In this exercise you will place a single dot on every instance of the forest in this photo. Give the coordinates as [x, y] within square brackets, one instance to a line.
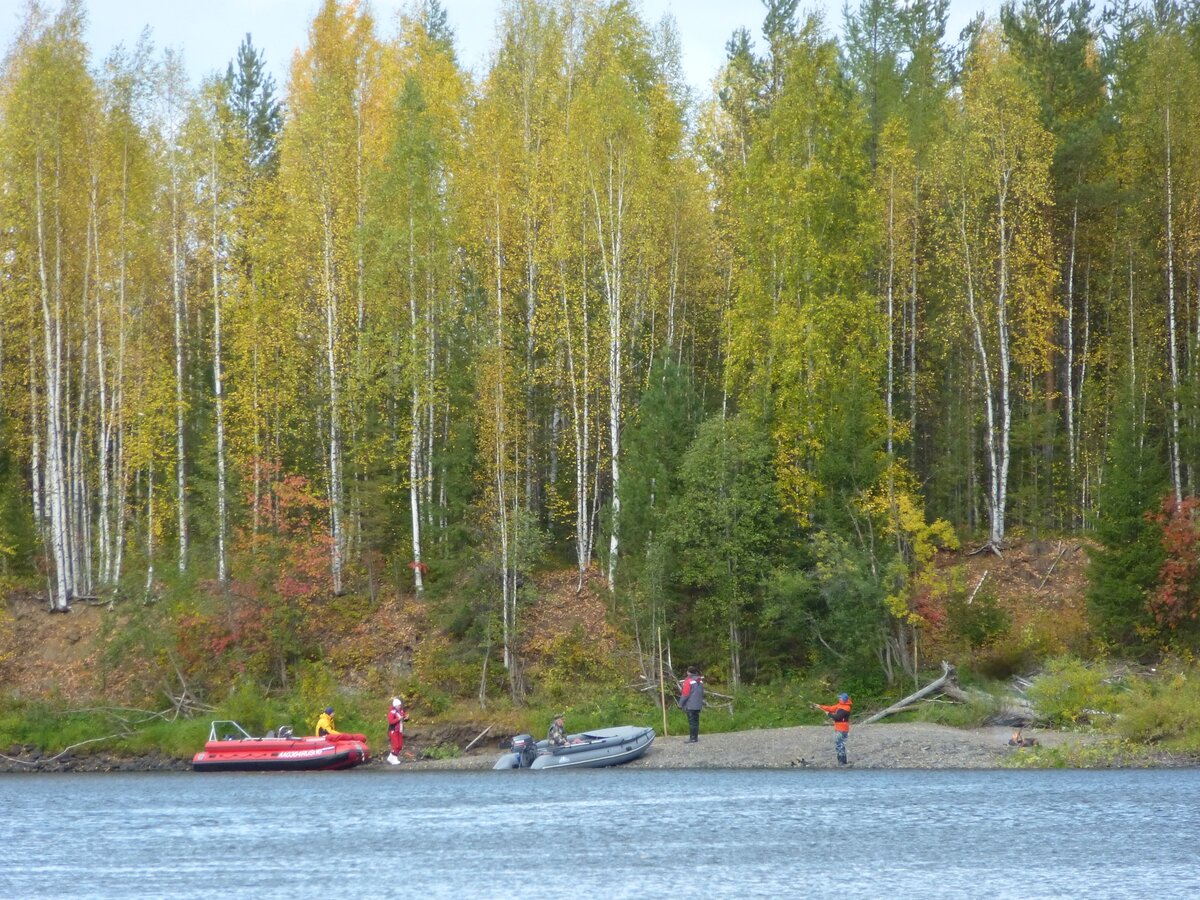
[747, 362]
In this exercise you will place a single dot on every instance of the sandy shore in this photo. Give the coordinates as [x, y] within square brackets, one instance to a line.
[897, 746]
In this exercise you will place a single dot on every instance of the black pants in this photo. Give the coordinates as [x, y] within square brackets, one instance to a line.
[693, 724]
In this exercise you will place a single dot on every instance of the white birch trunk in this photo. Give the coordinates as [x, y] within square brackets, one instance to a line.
[610, 223]
[103, 428]
[115, 437]
[117, 416]
[1069, 379]
[335, 443]
[912, 312]
[579, 429]
[507, 615]
[180, 457]
[1085, 350]
[891, 312]
[415, 438]
[1000, 479]
[984, 365]
[257, 441]
[55, 486]
[150, 529]
[1172, 338]
[35, 454]
[218, 383]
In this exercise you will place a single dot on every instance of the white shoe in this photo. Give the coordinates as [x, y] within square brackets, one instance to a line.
[393, 759]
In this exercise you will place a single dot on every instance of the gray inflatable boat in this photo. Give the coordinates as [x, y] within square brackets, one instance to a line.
[589, 749]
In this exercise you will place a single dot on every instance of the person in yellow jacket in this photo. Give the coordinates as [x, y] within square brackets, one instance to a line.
[326, 729]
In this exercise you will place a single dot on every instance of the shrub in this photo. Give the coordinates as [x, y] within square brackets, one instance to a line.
[571, 659]
[1072, 692]
[1166, 712]
[441, 751]
[249, 707]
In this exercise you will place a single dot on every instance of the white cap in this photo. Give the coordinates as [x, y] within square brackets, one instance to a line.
[396, 701]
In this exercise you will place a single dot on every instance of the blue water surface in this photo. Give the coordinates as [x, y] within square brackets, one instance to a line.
[605, 832]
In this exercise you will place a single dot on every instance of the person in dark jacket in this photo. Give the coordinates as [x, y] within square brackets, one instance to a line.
[691, 701]
[840, 714]
[557, 736]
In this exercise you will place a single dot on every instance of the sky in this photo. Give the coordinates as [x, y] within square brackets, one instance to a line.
[209, 31]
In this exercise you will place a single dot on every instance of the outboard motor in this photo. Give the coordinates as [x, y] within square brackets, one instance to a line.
[526, 749]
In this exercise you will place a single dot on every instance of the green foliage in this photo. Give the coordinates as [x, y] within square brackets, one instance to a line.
[1125, 566]
[847, 608]
[976, 622]
[250, 707]
[441, 751]
[573, 658]
[1099, 755]
[17, 534]
[726, 523]
[1072, 692]
[1163, 710]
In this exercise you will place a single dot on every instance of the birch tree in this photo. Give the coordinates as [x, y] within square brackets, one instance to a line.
[49, 118]
[322, 168]
[996, 181]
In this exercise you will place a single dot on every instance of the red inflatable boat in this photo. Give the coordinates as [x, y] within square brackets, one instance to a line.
[230, 748]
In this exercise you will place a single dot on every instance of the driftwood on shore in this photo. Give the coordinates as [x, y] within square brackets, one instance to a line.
[1016, 712]
[947, 684]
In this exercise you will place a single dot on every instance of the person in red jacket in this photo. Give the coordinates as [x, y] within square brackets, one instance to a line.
[691, 701]
[397, 715]
[840, 713]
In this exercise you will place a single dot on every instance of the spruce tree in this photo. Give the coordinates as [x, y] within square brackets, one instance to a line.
[1124, 568]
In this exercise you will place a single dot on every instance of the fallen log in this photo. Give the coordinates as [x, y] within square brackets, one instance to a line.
[949, 678]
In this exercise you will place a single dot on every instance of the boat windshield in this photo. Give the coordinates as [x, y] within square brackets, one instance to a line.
[227, 730]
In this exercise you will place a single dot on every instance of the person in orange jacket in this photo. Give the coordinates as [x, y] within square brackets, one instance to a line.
[840, 714]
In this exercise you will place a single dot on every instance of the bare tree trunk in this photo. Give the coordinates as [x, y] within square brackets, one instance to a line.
[610, 224]
[1069, 343]
[337, 548]
[150, 529]
[60, 599]
[180, 458]
[1000, 481]
[891, 311]
[985, 368]
[499, 459]
[912, 326]
[1172, 339]
[103, 422]
[218, 385]
[415, 439]
[579, 427]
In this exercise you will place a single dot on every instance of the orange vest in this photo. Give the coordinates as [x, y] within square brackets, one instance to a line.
[840, 713]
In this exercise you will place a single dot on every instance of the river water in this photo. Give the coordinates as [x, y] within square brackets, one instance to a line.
[606, 832]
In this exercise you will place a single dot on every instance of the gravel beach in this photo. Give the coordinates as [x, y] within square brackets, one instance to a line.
[914, 745]
[898, 746]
